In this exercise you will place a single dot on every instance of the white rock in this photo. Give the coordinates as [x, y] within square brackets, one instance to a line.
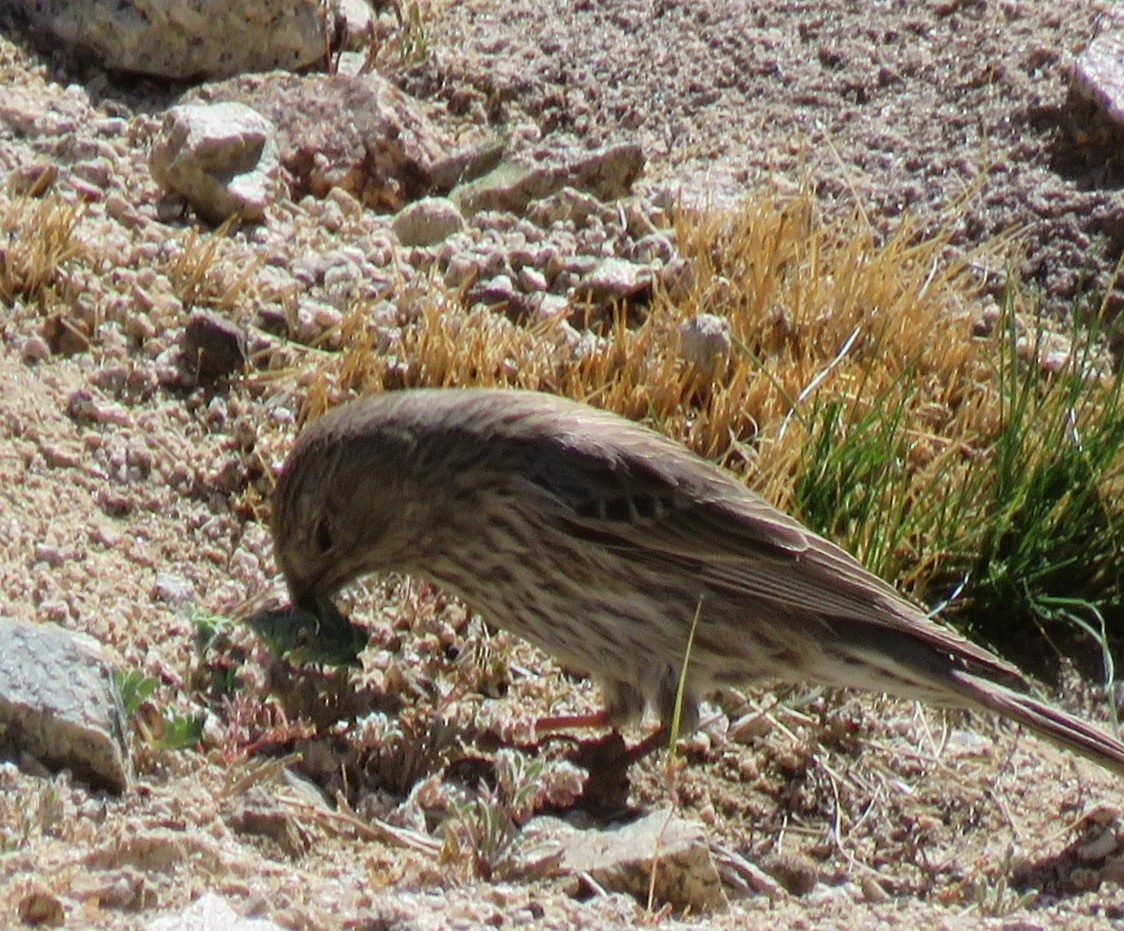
[704, 340]
[661, 848]
[210, 912]
[355, 19]
[222, 158]
[173, 589]
[613, 279]
[427, 222]
[1098, 72]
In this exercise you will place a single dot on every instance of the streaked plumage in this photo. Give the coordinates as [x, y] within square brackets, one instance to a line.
[598, 540]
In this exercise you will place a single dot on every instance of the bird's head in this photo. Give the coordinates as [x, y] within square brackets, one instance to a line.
[340, 511]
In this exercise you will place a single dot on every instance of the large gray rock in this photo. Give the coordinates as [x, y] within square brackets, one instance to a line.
[59, 703]
[184, 39]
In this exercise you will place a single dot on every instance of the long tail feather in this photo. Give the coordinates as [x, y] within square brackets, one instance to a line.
[1058, 726]
[904, 665]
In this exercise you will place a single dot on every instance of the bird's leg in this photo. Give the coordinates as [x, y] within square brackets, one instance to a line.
[654, 741]
[554, 723]
[602, 719]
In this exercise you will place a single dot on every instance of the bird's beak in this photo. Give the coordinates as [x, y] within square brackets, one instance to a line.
[309, 601]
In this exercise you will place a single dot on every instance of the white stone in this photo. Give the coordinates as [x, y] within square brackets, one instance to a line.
[1098, 72]
[222, 158]
[704, 340]
[427, 222]
[210, 912]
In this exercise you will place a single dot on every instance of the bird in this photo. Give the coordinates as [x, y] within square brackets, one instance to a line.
[620, 552]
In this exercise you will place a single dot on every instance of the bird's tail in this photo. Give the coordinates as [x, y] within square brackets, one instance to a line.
[939, 667]
[1060, 727]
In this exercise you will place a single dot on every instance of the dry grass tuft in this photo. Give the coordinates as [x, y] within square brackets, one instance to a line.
[198, 273]
[37, 238]
[792, 290]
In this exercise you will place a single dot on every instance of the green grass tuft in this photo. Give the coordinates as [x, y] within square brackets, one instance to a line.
[1027, 523]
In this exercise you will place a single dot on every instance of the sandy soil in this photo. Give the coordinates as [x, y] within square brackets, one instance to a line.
[132, 508]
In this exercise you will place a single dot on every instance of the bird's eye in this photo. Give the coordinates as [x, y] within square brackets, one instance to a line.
[323, 535]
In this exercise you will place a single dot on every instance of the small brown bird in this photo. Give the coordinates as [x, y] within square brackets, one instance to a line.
[605, 543]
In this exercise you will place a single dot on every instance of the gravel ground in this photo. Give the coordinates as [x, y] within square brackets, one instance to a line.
[954, 111]
[131, 503]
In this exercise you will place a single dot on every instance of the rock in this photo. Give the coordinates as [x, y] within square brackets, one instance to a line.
[34, 179]
[621, 859]
[512, 186]
[498, 291]
[59, 703]
[173, 589]
[1113, 870]
[36, 349]
[1096, 91]
[796, 872]
[222, 159]
[183, 39]
[259, 813]
[614, 280]
[654, 247]
[427, 222]
[1099, 848]
[569, 204]
[701, 191]
[355, 24]
[210, 912]
[213, 348]
[466, 164]
[704, 341]
[40, 906]
[359, 133]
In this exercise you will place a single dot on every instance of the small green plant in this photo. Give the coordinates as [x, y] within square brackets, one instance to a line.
[45, 810]
[179, 731]
[135, 688]
[1050, 546]
[218, 659]
[415, 43]
[159, 727]
[681, 685]
[322, 637]
[854, 484]
[488, 824]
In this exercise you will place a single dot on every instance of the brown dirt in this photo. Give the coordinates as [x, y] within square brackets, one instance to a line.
[131, 506]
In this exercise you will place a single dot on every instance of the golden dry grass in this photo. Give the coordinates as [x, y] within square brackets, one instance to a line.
[201, 278]
[37, 238]
[794, 292]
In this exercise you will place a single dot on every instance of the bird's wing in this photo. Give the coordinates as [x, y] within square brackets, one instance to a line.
[666, 508]
[660, 501]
